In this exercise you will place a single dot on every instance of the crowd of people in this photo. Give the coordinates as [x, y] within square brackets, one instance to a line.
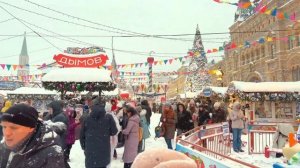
[45, 140]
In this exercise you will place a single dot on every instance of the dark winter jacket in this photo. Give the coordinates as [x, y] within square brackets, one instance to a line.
[59, 116]
[184, 119]
[203, 116]
[95, 137]
[219, 115]
[41, 150]
[145, 105]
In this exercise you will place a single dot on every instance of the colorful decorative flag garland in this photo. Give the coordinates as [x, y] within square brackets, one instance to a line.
[262, 9]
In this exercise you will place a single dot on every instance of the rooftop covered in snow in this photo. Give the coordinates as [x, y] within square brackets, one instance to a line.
[78, 75]
[264, 86]
[32, 91]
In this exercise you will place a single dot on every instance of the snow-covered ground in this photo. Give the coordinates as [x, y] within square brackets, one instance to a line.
[77, 156]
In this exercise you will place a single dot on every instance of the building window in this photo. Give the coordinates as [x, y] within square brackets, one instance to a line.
[291, 42]
[283, 110]
[262, 51]
[298, 78]
[257, 54]
[298, 40]
[273, 50]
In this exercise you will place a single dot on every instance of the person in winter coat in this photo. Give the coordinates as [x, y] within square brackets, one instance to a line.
[131, 133]
[145, 105]
[7, 105]
[237, 125]
[194, 112]
[184, 120]
[56, 114]
[280, 138]
[95, 135]
[204, 117]
[28, 143]
[168, 120]
[143, 124]
[219, 114]
[73, 123]
[114, 106]
[114, 138]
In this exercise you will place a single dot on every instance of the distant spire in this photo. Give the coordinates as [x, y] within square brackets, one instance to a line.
[197, 30]
[24, 47]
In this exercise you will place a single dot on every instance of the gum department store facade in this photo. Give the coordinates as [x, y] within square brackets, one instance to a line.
[276, 60]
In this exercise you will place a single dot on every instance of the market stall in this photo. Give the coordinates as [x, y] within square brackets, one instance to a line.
[78, 79]
[37, 97]
[270, 101]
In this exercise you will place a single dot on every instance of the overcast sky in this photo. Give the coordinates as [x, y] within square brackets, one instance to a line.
[153, 17]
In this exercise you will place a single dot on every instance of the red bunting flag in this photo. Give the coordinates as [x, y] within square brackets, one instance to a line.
[170, 61]
[263, 9]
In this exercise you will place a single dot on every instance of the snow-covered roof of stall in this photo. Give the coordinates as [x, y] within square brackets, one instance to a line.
[106, 93]
[266, 86]
[78, 75]
[217, 90]
[33, 91]
[189, 95]
[3, 92]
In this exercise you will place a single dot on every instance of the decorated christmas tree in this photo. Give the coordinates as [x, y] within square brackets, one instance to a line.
[198, 70]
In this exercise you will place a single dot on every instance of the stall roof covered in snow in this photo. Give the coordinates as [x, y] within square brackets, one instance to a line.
[33, 91]
[78, 75]
[105, 93]
[265, 86]
[3, 92]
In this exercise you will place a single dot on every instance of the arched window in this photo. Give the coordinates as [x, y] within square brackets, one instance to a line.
[257, 54]
[294, 74]
[291, 42]
[262, 51]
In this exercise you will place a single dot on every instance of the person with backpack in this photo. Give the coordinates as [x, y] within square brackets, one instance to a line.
[143, 125]
[145, 106]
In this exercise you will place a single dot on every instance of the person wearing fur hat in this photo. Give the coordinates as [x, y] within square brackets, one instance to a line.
[168, 120]
[237, 116]
[27, 141]
[184, 120]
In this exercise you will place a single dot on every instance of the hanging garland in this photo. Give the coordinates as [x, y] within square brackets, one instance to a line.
[79, 86]
[285, 97]
[30, 97]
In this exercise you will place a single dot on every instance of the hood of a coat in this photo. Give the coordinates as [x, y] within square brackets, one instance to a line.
[98, 111]
[135, 118]
[236, 106]
[56, 106]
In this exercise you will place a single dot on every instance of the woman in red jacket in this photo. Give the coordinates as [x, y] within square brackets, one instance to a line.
[169, 124]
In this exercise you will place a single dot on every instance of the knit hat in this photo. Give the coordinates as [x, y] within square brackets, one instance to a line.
[21, 114]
